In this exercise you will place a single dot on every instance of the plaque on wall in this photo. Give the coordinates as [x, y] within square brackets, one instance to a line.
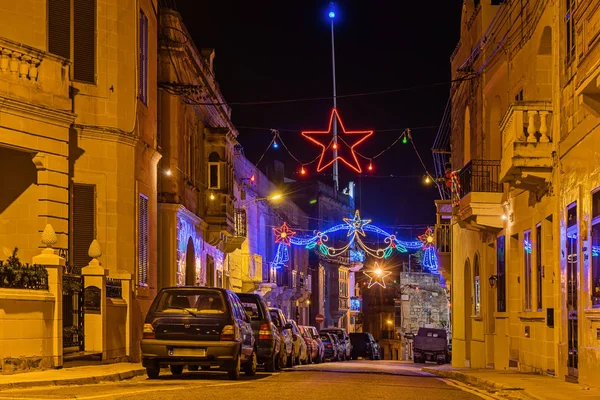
[91, 300]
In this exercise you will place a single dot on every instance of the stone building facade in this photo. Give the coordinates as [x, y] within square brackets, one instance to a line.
[524, 130]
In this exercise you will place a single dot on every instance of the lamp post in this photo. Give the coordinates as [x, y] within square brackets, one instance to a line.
[335, 151]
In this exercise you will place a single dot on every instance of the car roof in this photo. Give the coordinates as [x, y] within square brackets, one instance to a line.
[183, 288]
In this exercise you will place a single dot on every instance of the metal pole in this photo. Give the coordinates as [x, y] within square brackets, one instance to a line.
[335, 152]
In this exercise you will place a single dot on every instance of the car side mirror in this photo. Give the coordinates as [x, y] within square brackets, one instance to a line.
[288, 326]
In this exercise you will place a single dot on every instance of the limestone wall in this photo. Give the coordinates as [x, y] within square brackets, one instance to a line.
[26, 321]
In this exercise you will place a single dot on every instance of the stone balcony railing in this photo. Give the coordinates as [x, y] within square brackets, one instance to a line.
[527, 138]
[24, 66]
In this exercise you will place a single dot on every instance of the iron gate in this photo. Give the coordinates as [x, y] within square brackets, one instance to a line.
[73, 337]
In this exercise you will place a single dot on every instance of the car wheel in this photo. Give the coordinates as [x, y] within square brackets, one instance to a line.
[234, 369]
[192, 368]
[271, 365]
[176, 369]
[205, 367]
[297, 362]
[153, 372]
[250, 367]
[290, 360]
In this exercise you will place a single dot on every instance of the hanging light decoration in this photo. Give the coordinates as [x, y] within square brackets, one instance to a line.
[370, 167]
[302, 170]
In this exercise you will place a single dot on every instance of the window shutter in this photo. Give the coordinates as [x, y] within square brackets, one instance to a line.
[84, 40]
[143, 73]
[143, 241]
[84, 223]
[59, 27]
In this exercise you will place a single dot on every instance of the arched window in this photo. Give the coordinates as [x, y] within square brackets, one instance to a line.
[476, 285]
[214, 174]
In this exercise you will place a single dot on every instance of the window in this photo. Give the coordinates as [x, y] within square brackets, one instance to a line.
[501, 274]
[80, 31]
[84, 223]
[519, 95]
[477, 286]
[143, 241]
[570, 31]
[528, 269]
[143, 58]
[538, 265]
[595, 288]
[240, 223]
[84, 40]
[213, 171]
[59, 28]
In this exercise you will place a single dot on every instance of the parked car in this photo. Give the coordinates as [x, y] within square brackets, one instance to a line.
[340, 347]
[430, 345]
[315, 345]
[265, 332]
[342, 335]
[300, 347]
[331, 348]
[365, 346]
[198, 326]
[287, 343]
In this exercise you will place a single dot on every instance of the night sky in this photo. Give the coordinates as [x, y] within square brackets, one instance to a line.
[280, 50]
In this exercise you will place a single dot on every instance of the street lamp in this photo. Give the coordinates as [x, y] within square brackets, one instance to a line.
[273, 197]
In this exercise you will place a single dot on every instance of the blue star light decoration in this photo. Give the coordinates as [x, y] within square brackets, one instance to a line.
[356, 224]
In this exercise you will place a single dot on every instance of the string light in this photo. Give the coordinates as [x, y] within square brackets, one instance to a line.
[302, 170]
[252, 178]
[427, 179]
[376, 276]
[335, 145]
[370, 167]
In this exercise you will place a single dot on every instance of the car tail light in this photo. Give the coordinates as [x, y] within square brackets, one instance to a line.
[265, 333]
[148, 332]
[228, 332]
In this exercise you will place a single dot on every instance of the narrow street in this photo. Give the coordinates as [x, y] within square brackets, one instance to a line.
[351, 380]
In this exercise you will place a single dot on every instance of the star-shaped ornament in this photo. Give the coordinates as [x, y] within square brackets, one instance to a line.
[356, 225]
[345, 145]
[283, 234]
[376, 276]
[427, 239]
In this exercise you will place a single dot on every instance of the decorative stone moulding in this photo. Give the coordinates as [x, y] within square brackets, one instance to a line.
[49, 236]
[19, 64]
[95, 251]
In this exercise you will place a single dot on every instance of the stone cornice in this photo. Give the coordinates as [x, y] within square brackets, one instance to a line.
[107, 133]
[32, 51]
[187, 214]
[37, 112]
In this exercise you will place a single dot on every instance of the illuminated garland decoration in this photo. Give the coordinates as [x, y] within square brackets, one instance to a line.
[455, 187]
[356, 228]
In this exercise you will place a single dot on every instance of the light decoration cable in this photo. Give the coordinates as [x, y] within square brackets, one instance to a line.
[356, 229]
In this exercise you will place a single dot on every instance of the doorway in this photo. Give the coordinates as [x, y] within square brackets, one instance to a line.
[190, 264]
[572, 290]
[468, 306]
[210, 271]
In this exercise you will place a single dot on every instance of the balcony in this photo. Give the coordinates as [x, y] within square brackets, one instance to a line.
[477, 198]
[527, 155]
[225, 224]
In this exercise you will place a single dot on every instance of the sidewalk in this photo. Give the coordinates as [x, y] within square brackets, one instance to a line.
[514, 385]
[85, 375]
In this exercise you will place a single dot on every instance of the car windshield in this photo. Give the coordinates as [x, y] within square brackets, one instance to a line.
[253, 309]
[194, 301]
[340, 334]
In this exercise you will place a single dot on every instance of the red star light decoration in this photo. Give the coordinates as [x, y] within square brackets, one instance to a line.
[376, 276]
[325, 140]
[283, 234]
[427, 239]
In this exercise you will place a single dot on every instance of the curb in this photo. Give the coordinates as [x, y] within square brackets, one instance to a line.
[88, 380]
[416, 375]
[509, 392]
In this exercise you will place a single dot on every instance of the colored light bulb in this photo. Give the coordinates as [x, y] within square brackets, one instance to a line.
[252, 178]
[302, 171]
[275, 144]
[404, 140]
[331, 14]
[212, 196]
[370, 167]
[335, 145]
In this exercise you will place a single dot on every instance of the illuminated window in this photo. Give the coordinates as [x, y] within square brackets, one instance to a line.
[595, 288]
[214, 174]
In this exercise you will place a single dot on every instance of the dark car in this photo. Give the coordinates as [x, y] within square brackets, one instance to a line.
[365, 346]
[285, 329]
[197, 326]
[266, 334]
[430, 344]
[344, 339]
[331, 348]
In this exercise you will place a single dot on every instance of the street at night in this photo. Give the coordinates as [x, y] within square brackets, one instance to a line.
[355, 380]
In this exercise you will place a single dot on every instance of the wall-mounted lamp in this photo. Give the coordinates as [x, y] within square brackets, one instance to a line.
[493, 280]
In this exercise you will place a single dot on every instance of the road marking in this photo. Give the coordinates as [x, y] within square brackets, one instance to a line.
[466, 388]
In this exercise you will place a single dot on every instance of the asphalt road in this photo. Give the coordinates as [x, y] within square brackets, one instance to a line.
[342, 380]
